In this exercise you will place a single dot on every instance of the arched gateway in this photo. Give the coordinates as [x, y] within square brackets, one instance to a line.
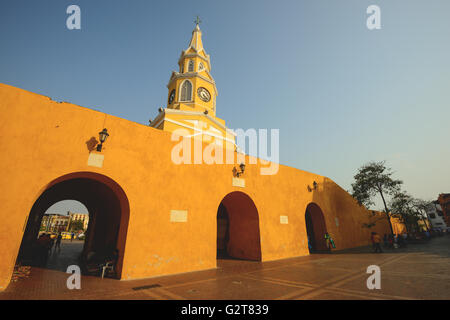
[108, 209]
[238, 228]
[315, 228]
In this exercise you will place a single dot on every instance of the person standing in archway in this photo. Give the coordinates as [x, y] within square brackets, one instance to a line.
[58, 242]
[332, 242]
[328, 240]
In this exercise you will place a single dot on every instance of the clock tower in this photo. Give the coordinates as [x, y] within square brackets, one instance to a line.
[191, 100]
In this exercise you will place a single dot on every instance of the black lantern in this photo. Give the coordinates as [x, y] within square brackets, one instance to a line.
[242, 167]
[313, 188]
[103, 136]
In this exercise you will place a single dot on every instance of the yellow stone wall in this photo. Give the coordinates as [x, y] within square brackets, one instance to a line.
[42, 140]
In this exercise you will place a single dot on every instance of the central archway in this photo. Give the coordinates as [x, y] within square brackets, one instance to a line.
[315, 229]
[108, 209]
[238, 228]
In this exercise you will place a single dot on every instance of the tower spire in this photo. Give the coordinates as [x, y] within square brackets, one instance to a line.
[196, 40]
[191, 100]
[197, 21]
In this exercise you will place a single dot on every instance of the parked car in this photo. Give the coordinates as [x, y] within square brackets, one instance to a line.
[66, 235]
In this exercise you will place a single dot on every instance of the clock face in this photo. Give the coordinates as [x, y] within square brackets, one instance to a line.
[204, 94]
[172, 96]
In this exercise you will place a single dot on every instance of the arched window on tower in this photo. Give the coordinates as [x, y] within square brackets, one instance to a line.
[186, 91]
[201, 67]
[191, 66]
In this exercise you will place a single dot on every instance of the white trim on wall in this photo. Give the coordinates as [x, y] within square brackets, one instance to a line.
[199, 131]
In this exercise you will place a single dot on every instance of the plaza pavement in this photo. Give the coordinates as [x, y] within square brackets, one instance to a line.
[420, 271]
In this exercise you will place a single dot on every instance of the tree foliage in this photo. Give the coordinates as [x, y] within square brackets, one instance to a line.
[409, 210]
[374, 179]
[401, 206]
[76, 225]
[421, 207]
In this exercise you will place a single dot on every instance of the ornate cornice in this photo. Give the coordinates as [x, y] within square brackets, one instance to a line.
[185, 55]
[177, 75]
[161, 116]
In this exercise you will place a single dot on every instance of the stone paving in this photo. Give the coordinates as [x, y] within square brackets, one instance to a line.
[420, 271]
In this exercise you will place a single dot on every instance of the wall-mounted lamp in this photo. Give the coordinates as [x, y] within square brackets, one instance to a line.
[160, 109]
[314, 187]
[205, 112]
[242, 167]
[103, 136]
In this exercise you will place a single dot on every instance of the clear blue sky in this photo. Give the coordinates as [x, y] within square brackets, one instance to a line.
[340, 94]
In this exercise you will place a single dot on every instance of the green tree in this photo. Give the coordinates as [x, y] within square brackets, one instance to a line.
[76, 225]
[374, 179]
[421, 207]
[402, 206]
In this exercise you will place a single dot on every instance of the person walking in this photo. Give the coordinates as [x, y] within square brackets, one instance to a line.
[376, 240]
[332, 242]
[329, 241]
[58, 242]
[50, 242]
[71, 236]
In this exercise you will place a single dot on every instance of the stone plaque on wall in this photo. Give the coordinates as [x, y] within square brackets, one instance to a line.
[284, 219]
[238, 182]
[178, 215]
[95, 160]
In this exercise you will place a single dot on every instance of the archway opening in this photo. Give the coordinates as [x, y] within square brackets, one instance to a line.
[105, 233]
[238, 228]
[66, 223]
[315, 229]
